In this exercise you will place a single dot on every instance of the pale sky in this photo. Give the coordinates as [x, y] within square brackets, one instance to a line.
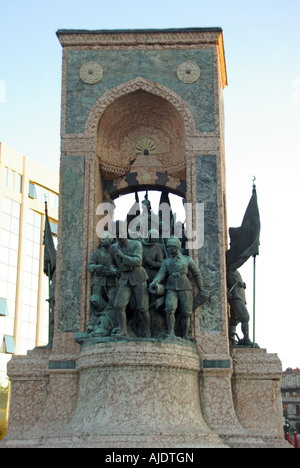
[262, 119]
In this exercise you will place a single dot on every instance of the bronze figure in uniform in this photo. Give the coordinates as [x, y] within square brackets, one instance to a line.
[238, 310]
[175, 270]
[127, 256]
[104, 276]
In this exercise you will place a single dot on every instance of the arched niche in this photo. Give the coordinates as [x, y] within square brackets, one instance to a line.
[143, 134]
[125, 121]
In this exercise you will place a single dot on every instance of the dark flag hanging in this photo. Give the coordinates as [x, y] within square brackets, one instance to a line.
[244, 240]
[49, 248]
[50, 271]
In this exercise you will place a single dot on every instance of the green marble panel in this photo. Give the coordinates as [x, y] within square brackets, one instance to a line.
[209, 254]
[72, 199]
[122, 66]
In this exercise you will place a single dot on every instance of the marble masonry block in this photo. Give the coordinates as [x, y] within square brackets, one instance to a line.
[70, 267]
[256, 393]
[121, 66]
[29, 391]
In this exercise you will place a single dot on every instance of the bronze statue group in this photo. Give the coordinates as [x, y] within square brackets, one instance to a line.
[140, 288]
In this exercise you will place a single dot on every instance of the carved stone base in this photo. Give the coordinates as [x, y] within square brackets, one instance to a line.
[256, 394]
[130, 394]
[144, 394]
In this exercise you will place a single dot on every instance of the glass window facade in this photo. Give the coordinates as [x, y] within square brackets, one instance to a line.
[24, 289]
[9, 250]
[30, 281]
[35, 287]
[35, 290]
[12, 179]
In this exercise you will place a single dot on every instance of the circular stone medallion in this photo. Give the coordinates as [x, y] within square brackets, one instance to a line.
[91, 72]
[188, 72]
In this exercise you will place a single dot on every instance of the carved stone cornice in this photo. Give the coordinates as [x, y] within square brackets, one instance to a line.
[139, 36]
[146, 39]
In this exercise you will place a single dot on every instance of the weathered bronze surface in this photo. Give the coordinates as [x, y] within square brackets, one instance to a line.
[140, 288]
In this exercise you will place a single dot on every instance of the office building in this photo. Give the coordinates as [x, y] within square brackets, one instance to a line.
[24, 310]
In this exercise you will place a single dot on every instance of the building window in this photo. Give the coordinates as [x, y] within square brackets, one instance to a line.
[3, 307]
[54, 228]
[12, 180]
[8, 345]
[9, 252]
[31, 281]
[18, 182]
[32, 191]
[41, 194]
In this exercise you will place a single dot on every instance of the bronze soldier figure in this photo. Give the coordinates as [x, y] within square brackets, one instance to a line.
[178, 287]
[104, 276]
[102, 322]
[103, 317]
[153, 256]
[238, 310]
[127, 256]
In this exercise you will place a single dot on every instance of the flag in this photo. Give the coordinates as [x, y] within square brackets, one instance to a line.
[244, 240]
[49, 248]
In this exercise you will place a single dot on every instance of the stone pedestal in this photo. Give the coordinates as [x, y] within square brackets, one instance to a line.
[256, 394]
[138, 394]
[130, 394]
[144, 394]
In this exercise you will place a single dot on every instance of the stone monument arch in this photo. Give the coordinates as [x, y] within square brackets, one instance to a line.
[143, 109]
[125, 121]
[139, 130]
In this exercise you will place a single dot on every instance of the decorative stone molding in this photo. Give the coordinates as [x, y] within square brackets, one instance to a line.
[139, 83]
[147, 39]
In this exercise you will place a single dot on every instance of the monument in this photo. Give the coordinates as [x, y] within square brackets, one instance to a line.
[141, 354]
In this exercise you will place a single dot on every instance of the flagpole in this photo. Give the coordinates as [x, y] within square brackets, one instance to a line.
[254, 278]
[49, 264]
[254, 298]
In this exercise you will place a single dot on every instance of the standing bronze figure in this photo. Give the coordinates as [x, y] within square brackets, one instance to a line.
[103, 280]
[175, 270]
[238, 310]
[127, 256]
